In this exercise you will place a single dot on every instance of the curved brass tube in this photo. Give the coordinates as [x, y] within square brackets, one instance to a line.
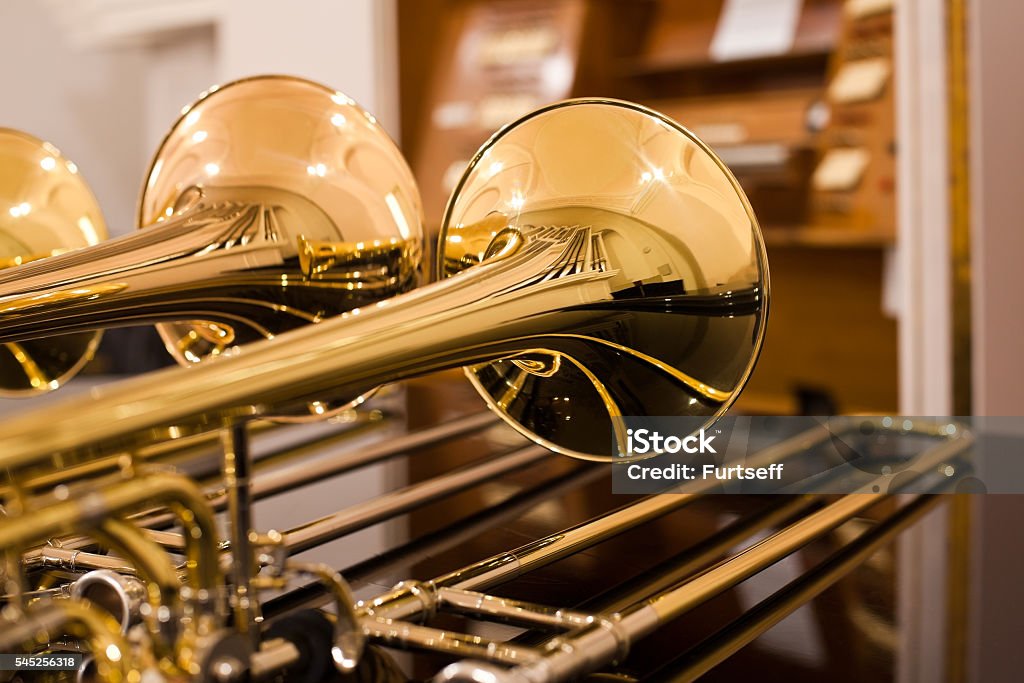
[94, 511]
[44, 623]
[163, 587]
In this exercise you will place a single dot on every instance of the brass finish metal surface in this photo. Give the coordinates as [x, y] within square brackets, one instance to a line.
[667, 254]
[274, 202]
[46, 208]
[581, 282]
[639, 288]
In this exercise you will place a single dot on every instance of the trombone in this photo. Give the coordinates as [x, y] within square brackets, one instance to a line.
[273, 202]
[582, 283]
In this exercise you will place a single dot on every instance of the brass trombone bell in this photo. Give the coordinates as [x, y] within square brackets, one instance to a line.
[660, 226]
[274, 202]
[602, 261]
[46, 208]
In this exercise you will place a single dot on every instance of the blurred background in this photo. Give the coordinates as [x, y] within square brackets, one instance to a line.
[877, 140]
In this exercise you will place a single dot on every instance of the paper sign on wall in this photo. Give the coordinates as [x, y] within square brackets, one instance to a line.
[840, 170]
[748, 29]
[859, 81]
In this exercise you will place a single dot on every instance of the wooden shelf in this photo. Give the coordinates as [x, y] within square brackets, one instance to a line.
[653, 66]
[827, 237]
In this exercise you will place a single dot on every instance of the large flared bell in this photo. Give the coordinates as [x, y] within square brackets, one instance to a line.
[341, 191]
[46, 209]
[652, 208]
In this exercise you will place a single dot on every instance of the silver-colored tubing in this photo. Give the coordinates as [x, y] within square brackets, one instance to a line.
[710, 550]
[286, 479]
[75, 560]
[120, 595]
[580, 653]
[278, 654]
[450, 536]
[289, 478]
[680, 599]
[401, 634]
[407, 601]
[766, 614]
[507, 610]
[506, 566]
[395, 503]
[279, 481]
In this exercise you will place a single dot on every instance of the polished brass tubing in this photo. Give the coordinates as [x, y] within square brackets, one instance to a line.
[592, 647]
[287, 479]
[721, 645]
[186, 453]
[97, 514]
[344, 356]
[74, 560]
[518, 612]
[294, 476]
[77, 515]
[46, 622]
[411, 601]
[279, 654]
[678, 600]
[163, 594]
[506, 566]
[706, 552]
[69, 556]
[385, 507]
[589, 648]
[438, 542]
[502, 567]
[608, 638]
[565, 290]
[401, 634]
[394, 503]
[205, 263]
[237, 482]
[212, 479]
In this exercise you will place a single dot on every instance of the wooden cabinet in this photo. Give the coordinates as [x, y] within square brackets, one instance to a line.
[806, 125]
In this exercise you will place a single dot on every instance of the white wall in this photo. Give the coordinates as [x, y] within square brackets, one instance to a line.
[347, 45]
[997, 246]
[177, 70]
[90, 104]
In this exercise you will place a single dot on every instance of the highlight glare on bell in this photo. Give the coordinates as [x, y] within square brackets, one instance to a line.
[46, 208]
[651, 207]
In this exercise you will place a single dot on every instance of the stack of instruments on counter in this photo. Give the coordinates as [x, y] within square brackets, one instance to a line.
[595, 260]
